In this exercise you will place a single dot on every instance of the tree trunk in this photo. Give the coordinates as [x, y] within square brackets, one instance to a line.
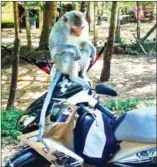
[149, 32]
[102, 8]
[84, 6]
[88, 15]
[15, 61]
[105, 74]
[20, 17]
[95, 21]
[138, 20]
[28, 28]
[117, 33]
[49, 19]
[40, 20]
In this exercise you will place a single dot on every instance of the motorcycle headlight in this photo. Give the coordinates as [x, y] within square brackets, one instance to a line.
[143, 156]
[24, 121]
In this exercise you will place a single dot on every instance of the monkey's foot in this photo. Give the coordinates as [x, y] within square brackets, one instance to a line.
[90, 83]
[40, 139]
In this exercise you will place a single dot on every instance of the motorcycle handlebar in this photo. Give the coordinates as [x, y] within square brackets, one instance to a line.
[103, 109]
[106, 111]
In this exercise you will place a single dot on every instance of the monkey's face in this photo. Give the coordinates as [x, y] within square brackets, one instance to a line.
[76, 22]
[77, 31]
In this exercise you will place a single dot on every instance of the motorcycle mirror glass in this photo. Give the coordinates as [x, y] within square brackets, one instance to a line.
[105, 90]
[24, 121]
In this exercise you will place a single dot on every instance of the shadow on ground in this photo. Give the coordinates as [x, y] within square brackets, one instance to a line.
[130, 76]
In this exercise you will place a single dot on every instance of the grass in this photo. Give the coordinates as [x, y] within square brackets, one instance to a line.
[9, 132]
[121, 106]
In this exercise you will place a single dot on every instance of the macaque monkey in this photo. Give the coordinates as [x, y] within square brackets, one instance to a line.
[71, 52]
[70, 47]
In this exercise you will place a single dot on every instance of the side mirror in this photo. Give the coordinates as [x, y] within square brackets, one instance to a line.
[105, 90]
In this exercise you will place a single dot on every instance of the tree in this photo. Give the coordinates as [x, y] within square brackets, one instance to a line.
[117, 33]
[149, 32]
[40, 20]
[15, 61]
[28, 28]
[105, 74]
[20, 16]
[138, 20]
[84, 6]
[95, 21]
[102, 8]
[49, 19]
[88, 15]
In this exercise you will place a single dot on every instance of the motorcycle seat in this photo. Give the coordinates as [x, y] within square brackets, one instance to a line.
[138, 125]
[128, 148]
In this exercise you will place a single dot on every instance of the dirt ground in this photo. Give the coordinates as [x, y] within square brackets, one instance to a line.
[7, 152]
[130, 76]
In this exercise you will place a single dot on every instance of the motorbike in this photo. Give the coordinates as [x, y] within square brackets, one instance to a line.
[134, 131]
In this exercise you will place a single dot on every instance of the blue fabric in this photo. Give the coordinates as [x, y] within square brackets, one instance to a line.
[80, 134]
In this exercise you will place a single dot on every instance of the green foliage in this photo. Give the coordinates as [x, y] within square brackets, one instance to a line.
[148, 3]
[36, 4]
[131, 4]
[148, 45]
[9, 132]
[121, 106]
[107, 8]
[128, 4]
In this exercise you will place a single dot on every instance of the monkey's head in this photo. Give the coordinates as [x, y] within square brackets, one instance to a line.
[76, 22]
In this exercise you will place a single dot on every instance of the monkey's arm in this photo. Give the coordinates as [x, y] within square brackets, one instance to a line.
[89, 45]
[62, 48]
[73, 75]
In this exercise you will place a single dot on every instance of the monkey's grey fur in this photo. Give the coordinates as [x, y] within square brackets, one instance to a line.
[71, 53]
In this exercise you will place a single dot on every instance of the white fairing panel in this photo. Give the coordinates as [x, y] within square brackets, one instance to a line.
[80, 97]
[96, 138]
[139, 125]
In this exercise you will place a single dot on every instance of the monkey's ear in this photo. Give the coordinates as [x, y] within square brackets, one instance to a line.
[65, 18]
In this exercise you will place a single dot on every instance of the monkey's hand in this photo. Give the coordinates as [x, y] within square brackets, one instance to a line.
[93, 53]
[87, 45]
[76, 53]
[62, 48]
